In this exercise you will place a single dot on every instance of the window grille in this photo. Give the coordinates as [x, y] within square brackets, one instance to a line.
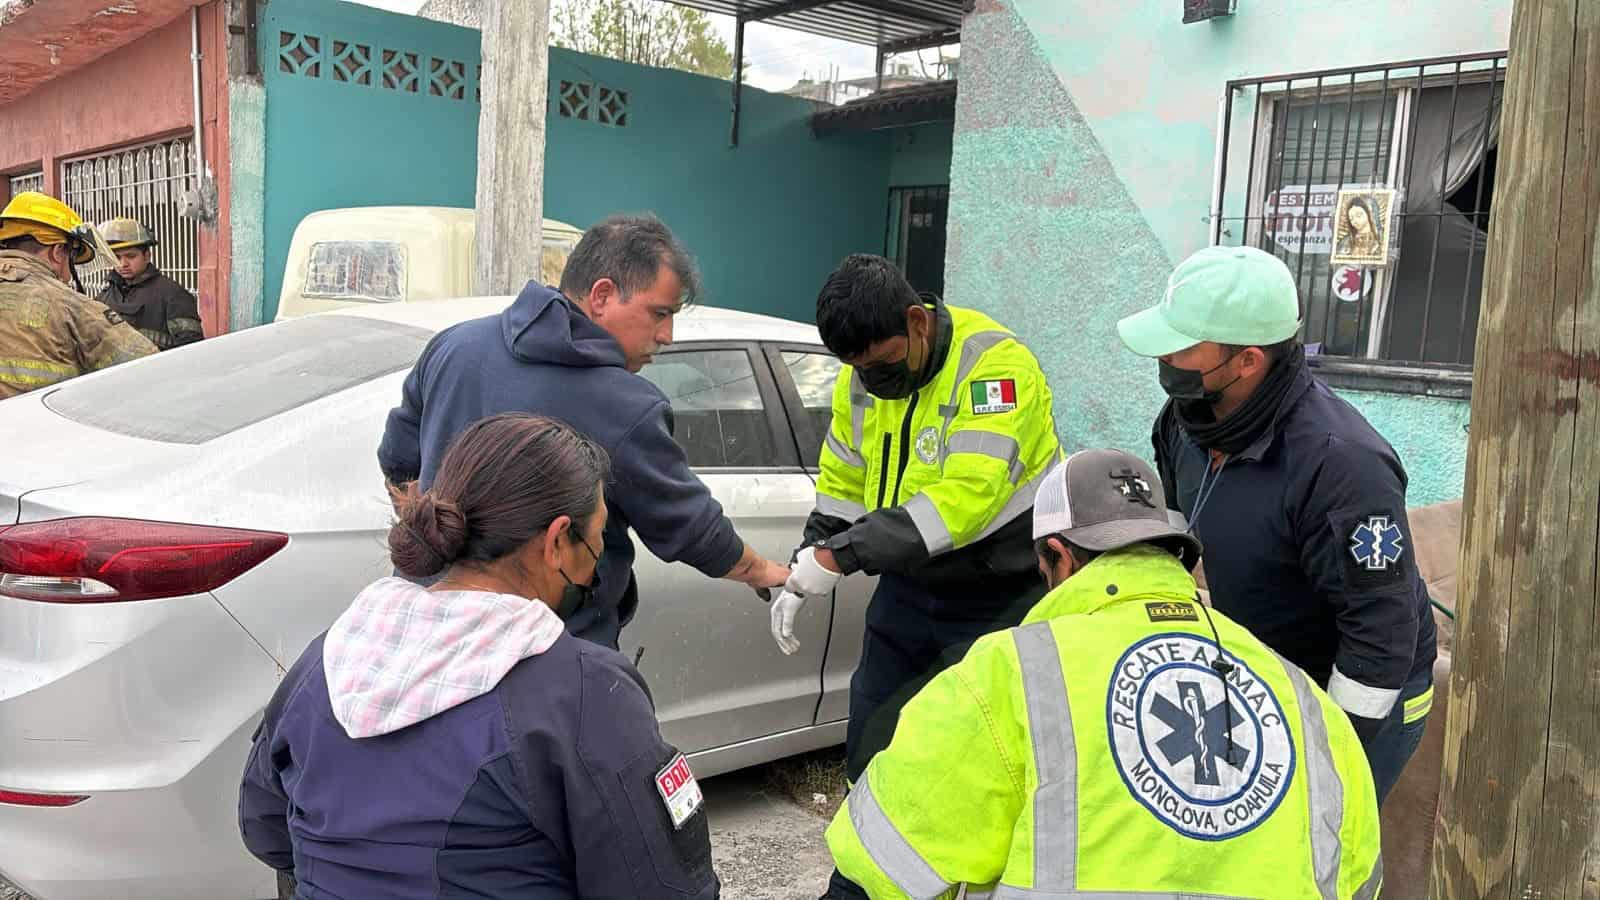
[146, 183]
[1414, 146]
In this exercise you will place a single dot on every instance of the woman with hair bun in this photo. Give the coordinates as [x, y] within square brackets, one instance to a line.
[455, 740]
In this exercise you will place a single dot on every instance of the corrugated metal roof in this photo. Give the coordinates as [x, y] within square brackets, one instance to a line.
[874, 22]
[897, 107]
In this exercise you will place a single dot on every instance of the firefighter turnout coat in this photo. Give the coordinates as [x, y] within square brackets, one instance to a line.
[50, 333]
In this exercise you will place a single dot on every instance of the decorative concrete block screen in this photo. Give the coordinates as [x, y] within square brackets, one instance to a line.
[368, 108]
[590, 102]
[368, 65]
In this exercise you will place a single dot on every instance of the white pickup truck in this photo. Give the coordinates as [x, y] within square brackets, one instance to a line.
[363, 255]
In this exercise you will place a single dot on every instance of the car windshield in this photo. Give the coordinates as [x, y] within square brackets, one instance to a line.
[206, 390]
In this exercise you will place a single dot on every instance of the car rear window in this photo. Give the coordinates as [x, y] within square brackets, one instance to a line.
[203, 391]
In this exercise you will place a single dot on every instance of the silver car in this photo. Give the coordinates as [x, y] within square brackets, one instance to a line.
[186, 524]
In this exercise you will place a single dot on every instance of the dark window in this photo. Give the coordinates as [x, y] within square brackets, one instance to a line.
[916, 234]
[206, 390]
[719, 417]
[814, 375]
[1414, 145]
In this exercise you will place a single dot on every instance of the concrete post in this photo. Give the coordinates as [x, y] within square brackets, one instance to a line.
[510, 198]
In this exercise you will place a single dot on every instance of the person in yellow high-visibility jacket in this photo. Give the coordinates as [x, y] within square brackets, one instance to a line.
[1125, 741]
[942, 431]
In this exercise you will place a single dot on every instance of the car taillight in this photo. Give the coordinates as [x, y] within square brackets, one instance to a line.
[96, 560]
[20, 798]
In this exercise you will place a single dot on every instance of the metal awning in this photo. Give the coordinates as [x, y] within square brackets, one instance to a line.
[873, 22]
[891, 26]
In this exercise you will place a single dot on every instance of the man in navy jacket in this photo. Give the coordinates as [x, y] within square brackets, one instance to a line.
[573, 354]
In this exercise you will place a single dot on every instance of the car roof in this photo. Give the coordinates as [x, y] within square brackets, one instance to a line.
[697, 323]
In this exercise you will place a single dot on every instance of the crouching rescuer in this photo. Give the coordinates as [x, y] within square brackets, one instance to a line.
[941, 433]
[1125, 741]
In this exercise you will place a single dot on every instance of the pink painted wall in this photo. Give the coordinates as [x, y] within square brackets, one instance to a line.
[138, 93]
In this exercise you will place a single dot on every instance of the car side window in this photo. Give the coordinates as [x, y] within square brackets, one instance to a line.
[814, 375]
[719, 417]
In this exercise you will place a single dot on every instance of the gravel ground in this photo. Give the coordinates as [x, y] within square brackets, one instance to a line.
[766, 828]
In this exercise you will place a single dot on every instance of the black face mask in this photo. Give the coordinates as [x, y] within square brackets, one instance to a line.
[893, 381]
[574, 596]
[1189, 384]
[890, 381]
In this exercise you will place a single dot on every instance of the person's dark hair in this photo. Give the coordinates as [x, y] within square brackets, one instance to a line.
[863, 302]
[1273, 352]
[1082, 557]
[501, 484]
[630, 250]
[24, 243]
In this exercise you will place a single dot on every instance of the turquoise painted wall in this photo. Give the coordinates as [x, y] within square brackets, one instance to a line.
[1082, 172]
[920, 155]
[768, 220]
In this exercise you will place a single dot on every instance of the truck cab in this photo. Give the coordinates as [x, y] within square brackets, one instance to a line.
[358, 256]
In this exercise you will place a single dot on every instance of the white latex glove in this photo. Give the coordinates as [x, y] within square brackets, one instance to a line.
[783, 612]
[809, 577]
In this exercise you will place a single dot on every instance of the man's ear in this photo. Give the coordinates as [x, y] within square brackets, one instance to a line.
[1253, 360]
[918, 320]
[603, 293]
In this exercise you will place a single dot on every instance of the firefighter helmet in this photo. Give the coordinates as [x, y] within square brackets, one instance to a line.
[49, 221]
[125, 234]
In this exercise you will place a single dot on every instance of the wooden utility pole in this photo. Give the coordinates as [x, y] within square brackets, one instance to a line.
[1521, 785]
[510, 204]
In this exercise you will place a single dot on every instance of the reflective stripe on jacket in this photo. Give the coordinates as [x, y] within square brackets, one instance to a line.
[945, 469]
[1088, 754]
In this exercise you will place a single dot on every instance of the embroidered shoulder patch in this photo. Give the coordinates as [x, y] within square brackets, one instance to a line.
[679, 791]
[1377, 543]
[113, 317]
[1171, 612]
[994, 396]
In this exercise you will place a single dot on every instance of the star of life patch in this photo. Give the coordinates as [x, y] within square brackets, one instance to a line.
[1377, 543]
[679, 791]
[994, 396]
[928, 445]
[1209, 764]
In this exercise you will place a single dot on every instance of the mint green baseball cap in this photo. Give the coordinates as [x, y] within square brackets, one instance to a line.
[1229, 295]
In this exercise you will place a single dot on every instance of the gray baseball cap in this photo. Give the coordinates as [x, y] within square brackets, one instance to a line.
[1105, 500]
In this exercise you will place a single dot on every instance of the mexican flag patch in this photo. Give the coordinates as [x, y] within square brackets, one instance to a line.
[994, 396]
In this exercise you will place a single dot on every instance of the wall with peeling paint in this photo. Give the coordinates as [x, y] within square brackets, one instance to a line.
[768, 220]
[139, 92]
[1082, 173]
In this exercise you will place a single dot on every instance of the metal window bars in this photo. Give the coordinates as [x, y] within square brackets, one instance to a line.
[146, 183]
[1313, 135]
[914, 233]
[28, 181]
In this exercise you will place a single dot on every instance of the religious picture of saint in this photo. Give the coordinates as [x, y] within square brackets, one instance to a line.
[1361, 227]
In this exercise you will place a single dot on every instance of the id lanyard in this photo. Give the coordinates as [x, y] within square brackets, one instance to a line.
[1205, 493]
